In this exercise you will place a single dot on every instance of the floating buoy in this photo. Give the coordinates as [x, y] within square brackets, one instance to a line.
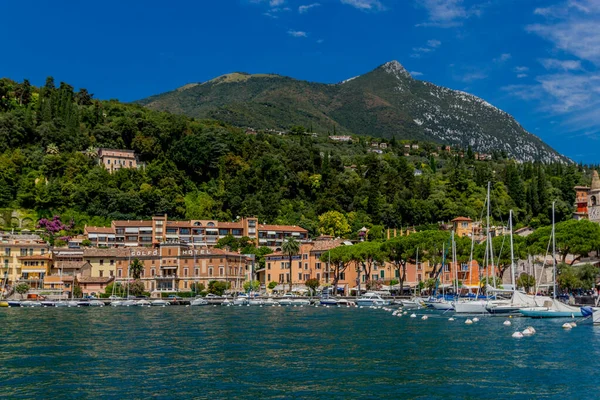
[507, 323]
[531, 329]
[399, 315]
[475, 319]
[573, 325]
[424, 317]
[405, 312]
[517, 335]
[527, 332]
[567, 325]
[413, 315]
[450, 319]
[468, 322]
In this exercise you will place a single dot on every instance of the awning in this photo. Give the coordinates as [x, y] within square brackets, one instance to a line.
[271, 233]
[131, 244]
[29, 271]
[168, 267]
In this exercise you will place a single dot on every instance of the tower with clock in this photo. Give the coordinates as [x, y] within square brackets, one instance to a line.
[594, 198]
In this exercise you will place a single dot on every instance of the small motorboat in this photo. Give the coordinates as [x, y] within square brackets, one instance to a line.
[329, 301]
[371, 299]
[96, 303]
[30, 303]
[256, 302]
[199, 301]
[124, 303]
[414, 303]
[270, 302]
[14, 303]
[346, 303]
[160, 303]
[143, 303]
[47, 303]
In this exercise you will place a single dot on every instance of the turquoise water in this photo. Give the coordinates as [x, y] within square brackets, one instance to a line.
[278, 352]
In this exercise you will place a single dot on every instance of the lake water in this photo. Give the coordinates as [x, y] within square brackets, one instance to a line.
[278, 352]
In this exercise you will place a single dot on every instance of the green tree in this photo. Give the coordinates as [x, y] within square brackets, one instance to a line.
[526, 281]
[251, 286]
[290, 248]
[576, 237]
[312, 285]
[218, 287]
[22, 288]
[567, 278]
[588, 275]
[136, 288]
[77, 292]
[136, 268]
[333, 223]
[272, 285]
[339, 259]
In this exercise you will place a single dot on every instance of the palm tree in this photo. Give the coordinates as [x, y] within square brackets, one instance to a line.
[52, 149]
[291, 247]
[136, 268]
[91, 152]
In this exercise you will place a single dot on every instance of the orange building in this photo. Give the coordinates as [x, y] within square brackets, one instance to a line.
[201, 233]
[462, 226]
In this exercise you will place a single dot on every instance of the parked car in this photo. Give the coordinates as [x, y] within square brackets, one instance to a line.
[212, 296]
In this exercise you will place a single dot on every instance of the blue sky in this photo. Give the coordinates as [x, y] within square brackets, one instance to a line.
[537, 60]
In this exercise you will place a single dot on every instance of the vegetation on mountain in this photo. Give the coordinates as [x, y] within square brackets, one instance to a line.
[386, 102]
[208, 169]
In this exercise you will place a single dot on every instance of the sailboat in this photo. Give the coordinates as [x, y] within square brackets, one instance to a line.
[127, 302]
[552, 308]
[443, 304]
[478, 305]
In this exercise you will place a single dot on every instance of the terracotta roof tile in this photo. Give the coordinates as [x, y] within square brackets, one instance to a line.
[95, 279]
[99, 229]
[132, 223]
[282, 228]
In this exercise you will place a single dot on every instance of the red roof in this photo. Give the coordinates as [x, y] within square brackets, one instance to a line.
[457, 219]
[282, 228]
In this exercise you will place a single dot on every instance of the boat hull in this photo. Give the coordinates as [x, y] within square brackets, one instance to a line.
[548, 313]
[596, 317]
[471, 307]
[442, 306]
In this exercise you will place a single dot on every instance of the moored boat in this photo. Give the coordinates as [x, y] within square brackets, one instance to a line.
[199, 302]
[371, 299]
[160, 303]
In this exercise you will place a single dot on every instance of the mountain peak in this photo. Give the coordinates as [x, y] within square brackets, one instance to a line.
[395, 68]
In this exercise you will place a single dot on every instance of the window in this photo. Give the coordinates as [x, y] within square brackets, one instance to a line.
[185, 284]
[300, 264]
[101, 262]
[153, 271]
[210, 271]
[43, 251]
[101, 273]
[342, 276]
[196, 271]
[30, 252]
[318, 276]
[382, 274]
[119, 273]
[268, 265]
[185, 271]
[112, 262]
[269, 277]
[397, 274]
[223, 232]
[305, 256]
[465, 225]
[7, 251]
[23, 252]
[318, 265]
[419, 277]
[305, 265]
[221, 271]
[300, 277]
[212, 224]
[111, 272]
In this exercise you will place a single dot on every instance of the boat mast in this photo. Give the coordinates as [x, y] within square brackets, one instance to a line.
[512, 253]
[553, 253]
[488, 239]
[417, 267]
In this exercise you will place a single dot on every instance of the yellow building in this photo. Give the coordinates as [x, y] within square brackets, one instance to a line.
[15, 246]
[462, 226]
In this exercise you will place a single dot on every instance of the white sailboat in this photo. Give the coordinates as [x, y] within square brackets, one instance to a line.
[551, 308]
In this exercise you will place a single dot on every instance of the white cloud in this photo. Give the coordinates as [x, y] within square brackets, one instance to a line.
[473, 76]
[504, 57]
[521, 69]
[416, 73]
[572, 27]
[319, 41]
[305, 8]
[521, 76]
[276, 3]
[434, 43]
[566, 65]
[297, 34]
[446, 13]
[365, 5]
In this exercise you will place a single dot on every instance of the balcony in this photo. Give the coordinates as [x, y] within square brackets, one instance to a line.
[162, 277]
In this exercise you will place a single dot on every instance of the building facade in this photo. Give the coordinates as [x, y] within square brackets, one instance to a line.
[115, 159]
[23, 258]
[200, 233]
[587, 200]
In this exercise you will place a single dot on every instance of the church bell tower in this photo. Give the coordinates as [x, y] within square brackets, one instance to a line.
[594, 198]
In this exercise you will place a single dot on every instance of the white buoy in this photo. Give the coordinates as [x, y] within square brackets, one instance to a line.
[517, 335]
[567, 325]
[405, 312]
[399, 315]
[413, 315]
[450, 319]
[531, 329]
[527, 332]
[507, 323]
[475, 319]
[573, 325]
[468, 322]
[424, 317]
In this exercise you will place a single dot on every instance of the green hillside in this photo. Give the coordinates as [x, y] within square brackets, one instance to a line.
[386, 102]
[209, 169]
